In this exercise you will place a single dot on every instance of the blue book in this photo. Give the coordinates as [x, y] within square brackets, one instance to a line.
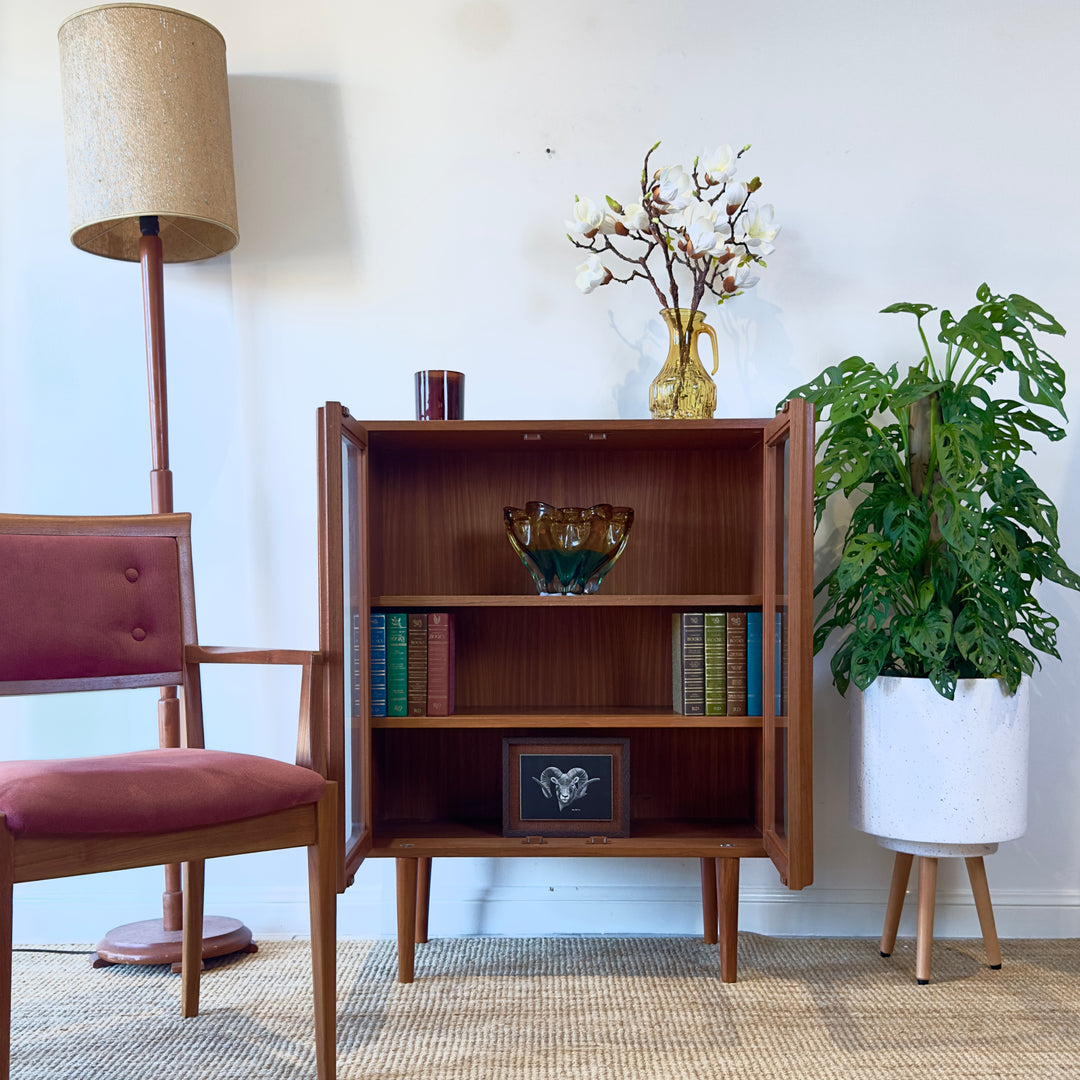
[378, 665]
[753, 663]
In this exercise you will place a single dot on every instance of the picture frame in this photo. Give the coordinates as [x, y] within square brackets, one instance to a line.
[543, 795]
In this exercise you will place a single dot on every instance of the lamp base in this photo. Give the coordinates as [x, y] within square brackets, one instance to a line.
[148, 942]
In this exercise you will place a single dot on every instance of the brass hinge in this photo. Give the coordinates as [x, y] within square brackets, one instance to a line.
[533, 840]
[597, 840]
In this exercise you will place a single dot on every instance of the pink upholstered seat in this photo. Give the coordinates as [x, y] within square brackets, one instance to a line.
[149, 791]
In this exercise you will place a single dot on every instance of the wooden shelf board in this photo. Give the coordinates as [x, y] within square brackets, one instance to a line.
[585, 718]
[688, 839]
[672, 600]
[595, 436]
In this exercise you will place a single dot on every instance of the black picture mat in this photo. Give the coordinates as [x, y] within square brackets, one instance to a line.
[526, 812]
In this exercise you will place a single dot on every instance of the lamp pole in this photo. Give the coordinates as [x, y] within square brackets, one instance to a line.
[150, 179]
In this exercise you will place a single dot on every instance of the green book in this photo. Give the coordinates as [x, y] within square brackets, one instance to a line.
[397, 660]
[716, 663]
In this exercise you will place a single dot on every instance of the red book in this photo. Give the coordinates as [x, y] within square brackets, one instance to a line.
[440, 674]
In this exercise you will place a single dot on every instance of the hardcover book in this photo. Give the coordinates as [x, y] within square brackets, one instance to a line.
[440, 672]
[754, 646]
[716, 663]
[736, 663]
[688, 663]
[377, 645]
[416, 665]
[397, 653]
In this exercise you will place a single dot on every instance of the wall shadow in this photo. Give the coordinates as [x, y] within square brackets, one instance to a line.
[294, 189]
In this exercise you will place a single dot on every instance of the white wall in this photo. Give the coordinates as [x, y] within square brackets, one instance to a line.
[403, 174]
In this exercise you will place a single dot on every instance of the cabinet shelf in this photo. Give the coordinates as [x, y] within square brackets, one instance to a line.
[672, 600]
[647, 839]
[565, 718]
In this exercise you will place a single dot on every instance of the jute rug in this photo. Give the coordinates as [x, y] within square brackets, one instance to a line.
[567, 1009]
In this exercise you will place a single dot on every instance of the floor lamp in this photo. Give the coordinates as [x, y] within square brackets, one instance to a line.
[150, 180]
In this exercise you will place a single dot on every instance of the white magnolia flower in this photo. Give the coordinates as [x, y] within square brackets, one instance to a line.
[759, 229]
[734, 197]
[739, 277]
[717, 166]
[589, 219]
[700, 237]
[592, 273]
[671, 187]
[632, 219]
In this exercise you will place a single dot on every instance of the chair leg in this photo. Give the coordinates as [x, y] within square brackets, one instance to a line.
[423, 898]
[981, 891]
[322, 898]
[7, 878]
[709, 917]
[728, 904]
[897, 891]
[191, 950]
[406, 918]
[924, 934]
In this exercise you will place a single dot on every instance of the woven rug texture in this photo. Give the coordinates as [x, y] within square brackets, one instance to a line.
[565, 1009]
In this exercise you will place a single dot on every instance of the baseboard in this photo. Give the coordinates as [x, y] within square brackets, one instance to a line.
[516, 910]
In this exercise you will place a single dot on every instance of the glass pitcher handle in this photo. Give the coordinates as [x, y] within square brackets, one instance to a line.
[705, 328]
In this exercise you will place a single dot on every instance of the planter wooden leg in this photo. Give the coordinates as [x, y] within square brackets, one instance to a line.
[981, 891]
[423, 899]
[924, 935]
[897, 891]
[709, 916]
[728, 903]
[406, 918]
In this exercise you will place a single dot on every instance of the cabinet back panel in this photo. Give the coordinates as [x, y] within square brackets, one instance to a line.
[437, 519]
[564, 657]
[678, 774]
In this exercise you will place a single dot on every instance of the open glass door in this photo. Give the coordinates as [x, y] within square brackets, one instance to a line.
[787, 748]
[344, 618]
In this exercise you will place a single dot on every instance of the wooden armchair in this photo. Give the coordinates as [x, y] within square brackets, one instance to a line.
[106, 603]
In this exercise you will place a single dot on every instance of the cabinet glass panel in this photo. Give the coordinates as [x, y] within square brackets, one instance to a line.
[354, 622]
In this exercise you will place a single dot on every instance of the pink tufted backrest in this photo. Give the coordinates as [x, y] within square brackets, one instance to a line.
[89, 607]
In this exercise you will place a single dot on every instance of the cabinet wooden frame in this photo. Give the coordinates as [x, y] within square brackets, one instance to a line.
[411, 520]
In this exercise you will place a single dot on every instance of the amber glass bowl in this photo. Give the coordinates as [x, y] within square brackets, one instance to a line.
[568, 549]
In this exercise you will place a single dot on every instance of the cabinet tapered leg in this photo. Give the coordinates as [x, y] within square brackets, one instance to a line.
[897, 891]
[981, 891]
[406, 918]
[709, 916]
[423, 898]
[727, 874]
[924, 934]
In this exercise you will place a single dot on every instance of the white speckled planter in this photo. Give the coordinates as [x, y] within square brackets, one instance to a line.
[937, 777]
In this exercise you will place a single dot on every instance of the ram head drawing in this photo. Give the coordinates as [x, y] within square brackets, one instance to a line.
[565, 787]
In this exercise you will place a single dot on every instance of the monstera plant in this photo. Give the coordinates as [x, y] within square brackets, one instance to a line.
[949, 535]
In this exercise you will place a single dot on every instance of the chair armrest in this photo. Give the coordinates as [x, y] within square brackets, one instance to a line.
[311, 739]
[231, 654]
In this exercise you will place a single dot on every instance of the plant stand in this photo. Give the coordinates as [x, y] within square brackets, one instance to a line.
[928, 855]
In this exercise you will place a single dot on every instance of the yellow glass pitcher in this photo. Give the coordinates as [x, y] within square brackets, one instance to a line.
[683, 389]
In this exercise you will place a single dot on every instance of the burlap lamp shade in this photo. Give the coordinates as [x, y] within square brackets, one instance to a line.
[146, 121]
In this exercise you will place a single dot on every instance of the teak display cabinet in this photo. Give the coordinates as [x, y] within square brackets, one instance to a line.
[411, 519]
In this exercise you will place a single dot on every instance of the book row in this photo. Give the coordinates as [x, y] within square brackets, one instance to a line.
[411, 664]
[716, 663]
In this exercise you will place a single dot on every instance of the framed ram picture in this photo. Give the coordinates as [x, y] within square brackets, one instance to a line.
[566, 787]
